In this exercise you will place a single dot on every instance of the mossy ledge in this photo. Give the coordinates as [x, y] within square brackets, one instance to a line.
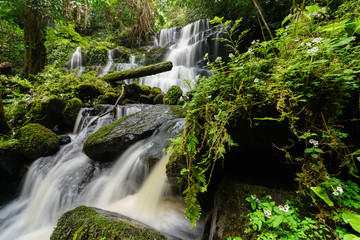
[91, 223]
[138, 72]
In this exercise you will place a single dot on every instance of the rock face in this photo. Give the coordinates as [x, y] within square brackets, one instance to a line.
[37, 141]
[91, 223]
[109, 141]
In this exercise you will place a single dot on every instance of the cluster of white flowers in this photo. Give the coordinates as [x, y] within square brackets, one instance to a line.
[250, 51]
[218, 59]
[231, 55]
[316, 14]
[312, 141]
[338, 191]
[284, 208]
[317, 40]
[308, 44]
[313, 51]
[206, 56]
[75, 4]
[267, 213]
[255, 41]
[256, 80]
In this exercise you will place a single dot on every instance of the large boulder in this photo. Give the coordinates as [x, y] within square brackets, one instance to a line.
[173, 95]
[92, 223]
[87, 91]
[111, 140]
[48, 112]
[37, 141]
[71, 111]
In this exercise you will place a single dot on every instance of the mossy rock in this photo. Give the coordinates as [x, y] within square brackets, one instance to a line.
[37, 141]
[111, 140]
[145, 90]
[132, 91]
[155, 91]
[108, 98]
[177, 162]
[121, 54]
[71, 111]
[145, 99]
[48, 111]
[173, 95]
[84, 223]
[10, 157]
[86, 91]
[95, 55]
[159, 99]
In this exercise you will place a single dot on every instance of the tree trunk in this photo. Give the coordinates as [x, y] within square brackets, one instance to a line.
[34, 35]
[4, 127]
[138, 72]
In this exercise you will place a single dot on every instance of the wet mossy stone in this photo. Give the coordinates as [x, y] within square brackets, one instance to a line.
[64, 139]
[10, 158]
[159, 99]
[173, 95]
[132, 91]
[145, 99]
[108, 98]
[93, 224]
[37, 141]
[155, 91]
[71, 111]
[177, 162]
[48, 111]
[86, 91]
[121, 54]
[110, 141]
[145, 90]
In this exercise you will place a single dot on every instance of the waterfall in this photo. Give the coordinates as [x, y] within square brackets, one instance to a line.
[109, 64]
[58, 183]
[186, 54]
[76, 61]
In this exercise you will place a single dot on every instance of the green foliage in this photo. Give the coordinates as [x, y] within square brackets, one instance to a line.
[273, 221]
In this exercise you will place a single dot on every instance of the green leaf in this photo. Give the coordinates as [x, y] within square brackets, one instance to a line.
[309, 150]
[318, 150]
[351, 237]
[278, 221]
[323, 195]
[353, 219]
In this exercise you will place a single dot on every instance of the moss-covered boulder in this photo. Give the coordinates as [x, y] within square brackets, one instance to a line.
[87, 91]
[109, 141]
[108, 98]
[173, 95]
[48, 112]
[121, 54]
[71, 111]
[84, 223]
[159, 99]
[37, 141]
[132, 91]
[177, 162]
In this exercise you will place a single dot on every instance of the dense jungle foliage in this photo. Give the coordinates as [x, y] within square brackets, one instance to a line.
[299, 65]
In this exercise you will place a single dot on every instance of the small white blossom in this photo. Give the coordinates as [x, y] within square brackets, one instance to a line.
[206, 56]
[286, 207]
[317, 40]
[267, 213]
[253, 197]
[231, 55]
[313, 51]
[218, 59]
[315, 13]
[256, 80]
[209, 96]
[281, 208]
[308, 44]
[340, 190]
[335, 193]
[358, 158]
[250, 51]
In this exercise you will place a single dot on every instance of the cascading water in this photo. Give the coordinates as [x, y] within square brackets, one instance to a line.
[76, 61]
[109, 64]
[59, 183]
[186, 55]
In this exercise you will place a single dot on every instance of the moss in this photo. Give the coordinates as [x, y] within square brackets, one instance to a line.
[86, 91]
[173, 95]
[132, 91]
[159, 99]
[121, 54]
[37, 141]
[10, 148]
[155, 91]
[108, 98]
[86, 223]
[145, 89]
[71, 110]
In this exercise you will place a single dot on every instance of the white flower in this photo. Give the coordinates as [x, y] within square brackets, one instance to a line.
[314, 142]
[286, 207]
[315, 13]
[308, 44]
[209, 96]
[253, 197]
[281, 208]
[256, 80]
[206, 56]
[358, 158]
[317, 40]
[313, 51]
[267, 213]
[335, 193]
[340, 190]
[250, 51]
[197, 77]
[218, 59]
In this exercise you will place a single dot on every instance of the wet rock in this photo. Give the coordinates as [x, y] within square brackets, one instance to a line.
[111, 140]
[93, 223]
[86, 91]
[108, 98]
[71, 111]
[47, 111]
[173, 95]
[64, 139]
[159, 99]
[37, 141]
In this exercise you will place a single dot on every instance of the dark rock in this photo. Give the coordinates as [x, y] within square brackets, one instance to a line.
[101, 108]
[145, 90]
[132, 91]
[145, 99]
[173, 95]
[48, 112]
[71, 111]
[5, 68]
[159, 99]
[86, 91]
[111, 140]
[93, 223]
[37, 141]
[64, 139]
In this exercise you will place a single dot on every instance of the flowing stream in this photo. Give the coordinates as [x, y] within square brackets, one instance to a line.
[58, 183]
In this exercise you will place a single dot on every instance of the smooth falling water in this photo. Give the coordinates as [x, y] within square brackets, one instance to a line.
[167, 36]
[56, 184]
[76, 61]
[109, 64]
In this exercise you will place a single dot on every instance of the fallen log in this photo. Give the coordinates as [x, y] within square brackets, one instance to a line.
[138, 72]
